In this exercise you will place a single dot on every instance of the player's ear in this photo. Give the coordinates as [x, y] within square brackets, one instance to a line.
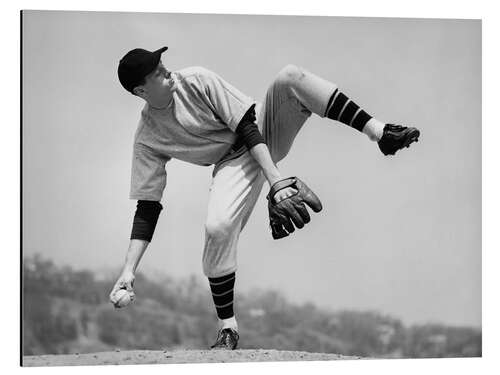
[139, 91]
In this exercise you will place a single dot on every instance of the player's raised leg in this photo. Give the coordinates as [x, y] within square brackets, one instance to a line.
[389, 137]
[308, 93]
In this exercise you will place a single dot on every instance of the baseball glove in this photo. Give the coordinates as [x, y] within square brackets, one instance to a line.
[291, 212]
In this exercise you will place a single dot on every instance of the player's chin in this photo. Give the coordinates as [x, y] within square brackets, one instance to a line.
[165, 89]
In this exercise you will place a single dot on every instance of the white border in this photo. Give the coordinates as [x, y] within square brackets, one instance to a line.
[434, 9]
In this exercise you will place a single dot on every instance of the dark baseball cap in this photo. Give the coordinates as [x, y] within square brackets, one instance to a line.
[136, 65]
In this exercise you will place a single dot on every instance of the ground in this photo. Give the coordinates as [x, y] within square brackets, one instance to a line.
[181, 356]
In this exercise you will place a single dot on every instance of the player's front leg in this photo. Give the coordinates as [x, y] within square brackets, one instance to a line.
[235, 189]
[222, 289]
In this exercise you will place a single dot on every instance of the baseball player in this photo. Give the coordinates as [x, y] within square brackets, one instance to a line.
[194, 115]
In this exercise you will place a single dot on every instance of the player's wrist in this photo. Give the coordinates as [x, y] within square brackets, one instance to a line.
[128, 270]
[273, 181]
[273, 177]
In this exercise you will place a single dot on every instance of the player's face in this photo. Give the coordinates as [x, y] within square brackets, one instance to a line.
[157, 83]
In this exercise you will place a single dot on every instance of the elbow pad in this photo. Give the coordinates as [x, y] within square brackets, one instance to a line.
[145, 219]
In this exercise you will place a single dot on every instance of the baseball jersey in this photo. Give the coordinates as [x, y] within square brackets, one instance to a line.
[198, 126]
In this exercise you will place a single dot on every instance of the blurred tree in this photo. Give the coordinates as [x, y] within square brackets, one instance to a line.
[57, 301]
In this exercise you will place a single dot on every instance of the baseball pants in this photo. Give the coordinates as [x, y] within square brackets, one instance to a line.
[236, 184]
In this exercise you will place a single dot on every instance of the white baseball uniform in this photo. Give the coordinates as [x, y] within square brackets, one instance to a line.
[198, 126]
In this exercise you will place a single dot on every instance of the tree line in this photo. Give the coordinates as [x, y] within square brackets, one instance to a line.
[67, 311]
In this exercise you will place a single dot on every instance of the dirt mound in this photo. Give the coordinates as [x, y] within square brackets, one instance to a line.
[181, 356]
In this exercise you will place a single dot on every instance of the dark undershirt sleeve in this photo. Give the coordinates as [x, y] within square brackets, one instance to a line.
[248, 131]
[145, 219]
[249, 115]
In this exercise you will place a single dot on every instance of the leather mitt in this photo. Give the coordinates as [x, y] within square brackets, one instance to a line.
[291, 212]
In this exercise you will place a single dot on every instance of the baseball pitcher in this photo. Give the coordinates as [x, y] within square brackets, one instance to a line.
[194, 115]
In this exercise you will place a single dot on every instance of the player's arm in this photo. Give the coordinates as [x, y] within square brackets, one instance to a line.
[148, 180]
[136, 249]
[126, 279]
[261, 154]
[250, 135]
[287, 197]
[143, 227]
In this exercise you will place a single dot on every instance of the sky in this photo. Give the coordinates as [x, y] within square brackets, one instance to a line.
[401, 235]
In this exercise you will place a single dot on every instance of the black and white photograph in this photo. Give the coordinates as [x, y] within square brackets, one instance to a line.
[201, 188]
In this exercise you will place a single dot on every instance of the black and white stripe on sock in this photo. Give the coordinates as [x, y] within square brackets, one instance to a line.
[343, 109]
[222, 289]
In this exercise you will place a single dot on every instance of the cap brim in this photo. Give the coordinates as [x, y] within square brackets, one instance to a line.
[154, 60]
[161, 50]
[158, 52]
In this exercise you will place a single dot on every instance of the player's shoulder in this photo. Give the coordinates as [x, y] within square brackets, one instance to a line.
[196, 72]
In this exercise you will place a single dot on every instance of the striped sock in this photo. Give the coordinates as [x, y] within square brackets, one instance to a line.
[341, 108]
[223, 294]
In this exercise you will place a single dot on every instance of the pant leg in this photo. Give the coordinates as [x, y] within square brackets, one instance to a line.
[290, 100]
[233, 193]
[236, 184]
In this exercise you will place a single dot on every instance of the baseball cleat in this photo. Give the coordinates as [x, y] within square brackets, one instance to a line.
[227, 339]
[396, 137]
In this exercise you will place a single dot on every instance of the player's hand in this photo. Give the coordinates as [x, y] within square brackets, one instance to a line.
[284, 193]
[125, 281]
[290, 211]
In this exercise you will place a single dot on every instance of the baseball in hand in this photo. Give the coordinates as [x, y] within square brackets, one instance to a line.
[122, 298]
